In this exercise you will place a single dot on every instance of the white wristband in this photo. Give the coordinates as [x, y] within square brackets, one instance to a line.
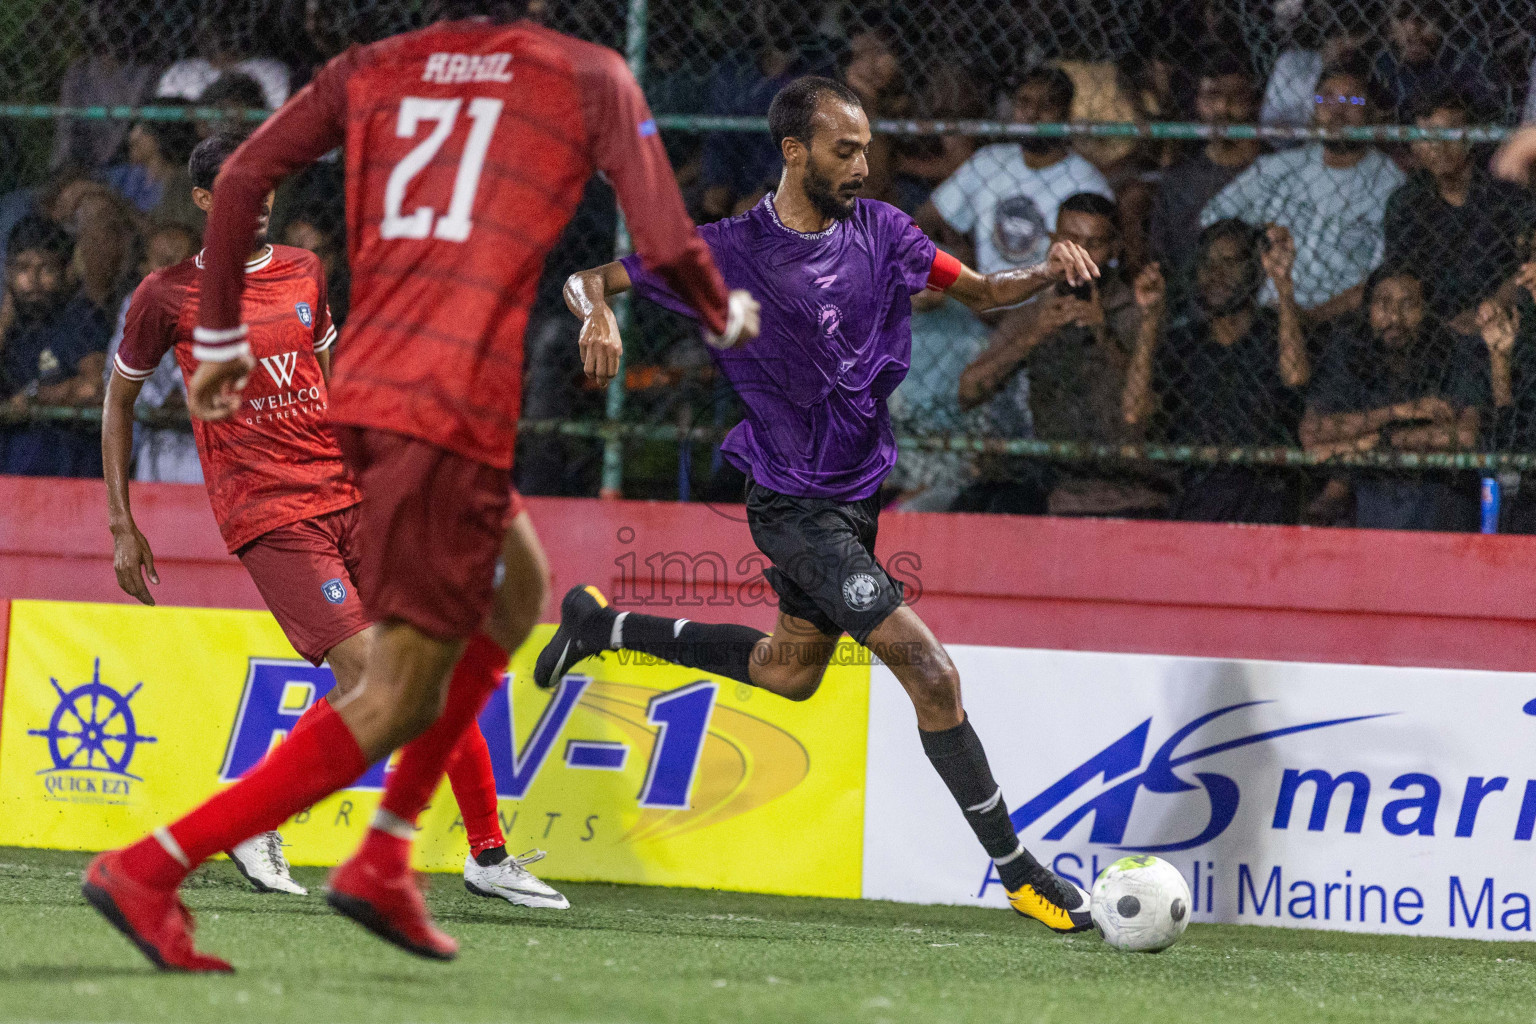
[735, 320]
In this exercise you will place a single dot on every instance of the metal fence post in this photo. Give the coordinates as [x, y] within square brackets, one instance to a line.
[613, 447]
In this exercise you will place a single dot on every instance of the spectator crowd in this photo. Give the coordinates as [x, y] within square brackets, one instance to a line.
[1332, 295]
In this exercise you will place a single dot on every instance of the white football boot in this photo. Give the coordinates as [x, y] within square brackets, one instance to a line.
[512, 881]
[260, 859]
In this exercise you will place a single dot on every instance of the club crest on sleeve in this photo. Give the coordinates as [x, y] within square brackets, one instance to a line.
[306, 315]
[335, 591]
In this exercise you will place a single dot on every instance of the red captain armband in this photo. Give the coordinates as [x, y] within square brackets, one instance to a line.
[945, 272]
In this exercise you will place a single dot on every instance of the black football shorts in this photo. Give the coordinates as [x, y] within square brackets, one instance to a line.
[823, 555]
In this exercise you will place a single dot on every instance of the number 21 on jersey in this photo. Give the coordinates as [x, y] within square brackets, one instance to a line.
[424, 221]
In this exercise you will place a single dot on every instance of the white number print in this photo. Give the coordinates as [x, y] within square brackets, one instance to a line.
[454, 226]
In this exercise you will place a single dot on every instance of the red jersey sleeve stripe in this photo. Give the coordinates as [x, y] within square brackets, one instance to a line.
[326, 342]
[124, 370]
[945, 272]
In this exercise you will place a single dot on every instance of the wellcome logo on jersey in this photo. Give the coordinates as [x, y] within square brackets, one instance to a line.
[671, 740]
[92, 736]
[286, 401]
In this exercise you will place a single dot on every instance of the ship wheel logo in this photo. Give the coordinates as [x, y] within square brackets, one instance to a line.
[92, 729]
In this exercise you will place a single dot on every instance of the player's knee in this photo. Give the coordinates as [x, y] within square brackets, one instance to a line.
[802, 687]
[935, 682]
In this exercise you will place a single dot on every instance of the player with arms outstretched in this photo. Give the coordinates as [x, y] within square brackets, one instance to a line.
[287, 508]
[836, 275]
[467, 147]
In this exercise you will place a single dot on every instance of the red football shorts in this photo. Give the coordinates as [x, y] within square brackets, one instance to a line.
[430, 528]
[305, 572]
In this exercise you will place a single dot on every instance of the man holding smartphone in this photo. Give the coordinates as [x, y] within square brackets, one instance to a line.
[1060, 363]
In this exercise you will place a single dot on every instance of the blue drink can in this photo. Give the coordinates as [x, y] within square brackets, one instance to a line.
[1490, 504]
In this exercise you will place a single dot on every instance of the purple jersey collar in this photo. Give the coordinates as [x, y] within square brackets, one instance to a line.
[814, 236]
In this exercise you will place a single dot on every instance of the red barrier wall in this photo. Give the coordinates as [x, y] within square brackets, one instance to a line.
[1284, 593]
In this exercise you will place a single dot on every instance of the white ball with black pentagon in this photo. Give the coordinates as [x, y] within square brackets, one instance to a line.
[1141, 904]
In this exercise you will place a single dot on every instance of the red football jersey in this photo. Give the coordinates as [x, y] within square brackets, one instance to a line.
[274, 462]
[467, 147]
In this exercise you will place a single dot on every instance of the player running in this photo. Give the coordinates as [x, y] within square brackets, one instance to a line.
[286, 507]
[835, 274]
[467, 146]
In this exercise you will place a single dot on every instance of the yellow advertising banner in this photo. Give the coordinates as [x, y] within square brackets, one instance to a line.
[118, 718]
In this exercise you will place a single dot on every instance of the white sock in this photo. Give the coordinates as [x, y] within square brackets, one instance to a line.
[391, 823]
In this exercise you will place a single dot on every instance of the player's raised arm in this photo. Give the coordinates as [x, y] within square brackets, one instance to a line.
[1066, 263]
[627, 148]
[306, 128]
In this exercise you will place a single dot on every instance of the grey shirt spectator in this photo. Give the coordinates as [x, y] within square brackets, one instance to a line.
[111, 74]
[1334, 213]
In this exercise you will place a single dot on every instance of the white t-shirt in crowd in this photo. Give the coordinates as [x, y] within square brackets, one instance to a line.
[187, 79]
[1008, 208]
[1290, 97]
[1334, 215]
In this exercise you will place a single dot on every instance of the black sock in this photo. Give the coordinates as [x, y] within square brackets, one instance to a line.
[962, 764]
[491, 856]
[724, 648]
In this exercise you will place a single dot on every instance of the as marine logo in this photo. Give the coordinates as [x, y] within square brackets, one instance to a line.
[92, 738]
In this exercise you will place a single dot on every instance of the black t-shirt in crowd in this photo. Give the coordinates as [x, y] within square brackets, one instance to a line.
[1463, 252]
[1215, 394]
[1358, 374]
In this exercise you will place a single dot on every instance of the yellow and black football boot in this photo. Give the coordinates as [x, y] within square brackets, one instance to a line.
[1053, 901]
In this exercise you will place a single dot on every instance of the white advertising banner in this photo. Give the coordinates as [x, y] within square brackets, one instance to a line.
[1344, 797]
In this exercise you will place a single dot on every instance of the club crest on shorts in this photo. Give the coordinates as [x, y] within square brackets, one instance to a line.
[335, 591]
[860, 591]
[306, 315]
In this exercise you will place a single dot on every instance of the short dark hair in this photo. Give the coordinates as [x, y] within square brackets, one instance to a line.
[454, 10]
[39, 234]
[1355, 66]
[174, 138]
[1060, 90]
[794, 108]
[234, 89]
[209, 156]
[1246, 235]
[1090, 203]
[1386, 272]
[1221, 62]
[1443, 99]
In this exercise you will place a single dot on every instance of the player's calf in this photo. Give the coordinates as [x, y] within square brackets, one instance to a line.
[590, 626]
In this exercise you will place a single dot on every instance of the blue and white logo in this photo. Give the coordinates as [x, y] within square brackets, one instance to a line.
[335, 591]
[1111, 808]
[306, 315]
[92, 730]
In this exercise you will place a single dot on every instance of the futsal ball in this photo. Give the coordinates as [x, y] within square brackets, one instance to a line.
[1141, 904]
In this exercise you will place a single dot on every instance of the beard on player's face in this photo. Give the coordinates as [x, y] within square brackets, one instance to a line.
[831, 199]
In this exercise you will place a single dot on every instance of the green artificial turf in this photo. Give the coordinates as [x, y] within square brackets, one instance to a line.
[625, 953]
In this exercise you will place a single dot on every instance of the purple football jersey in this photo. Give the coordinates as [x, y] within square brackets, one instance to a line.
[836, 340]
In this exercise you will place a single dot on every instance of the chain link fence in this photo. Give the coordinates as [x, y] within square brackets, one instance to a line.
[1316, 307]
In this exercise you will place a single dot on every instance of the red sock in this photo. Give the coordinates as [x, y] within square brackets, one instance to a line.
[307, 767]
[474, 788]
[424, 759]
